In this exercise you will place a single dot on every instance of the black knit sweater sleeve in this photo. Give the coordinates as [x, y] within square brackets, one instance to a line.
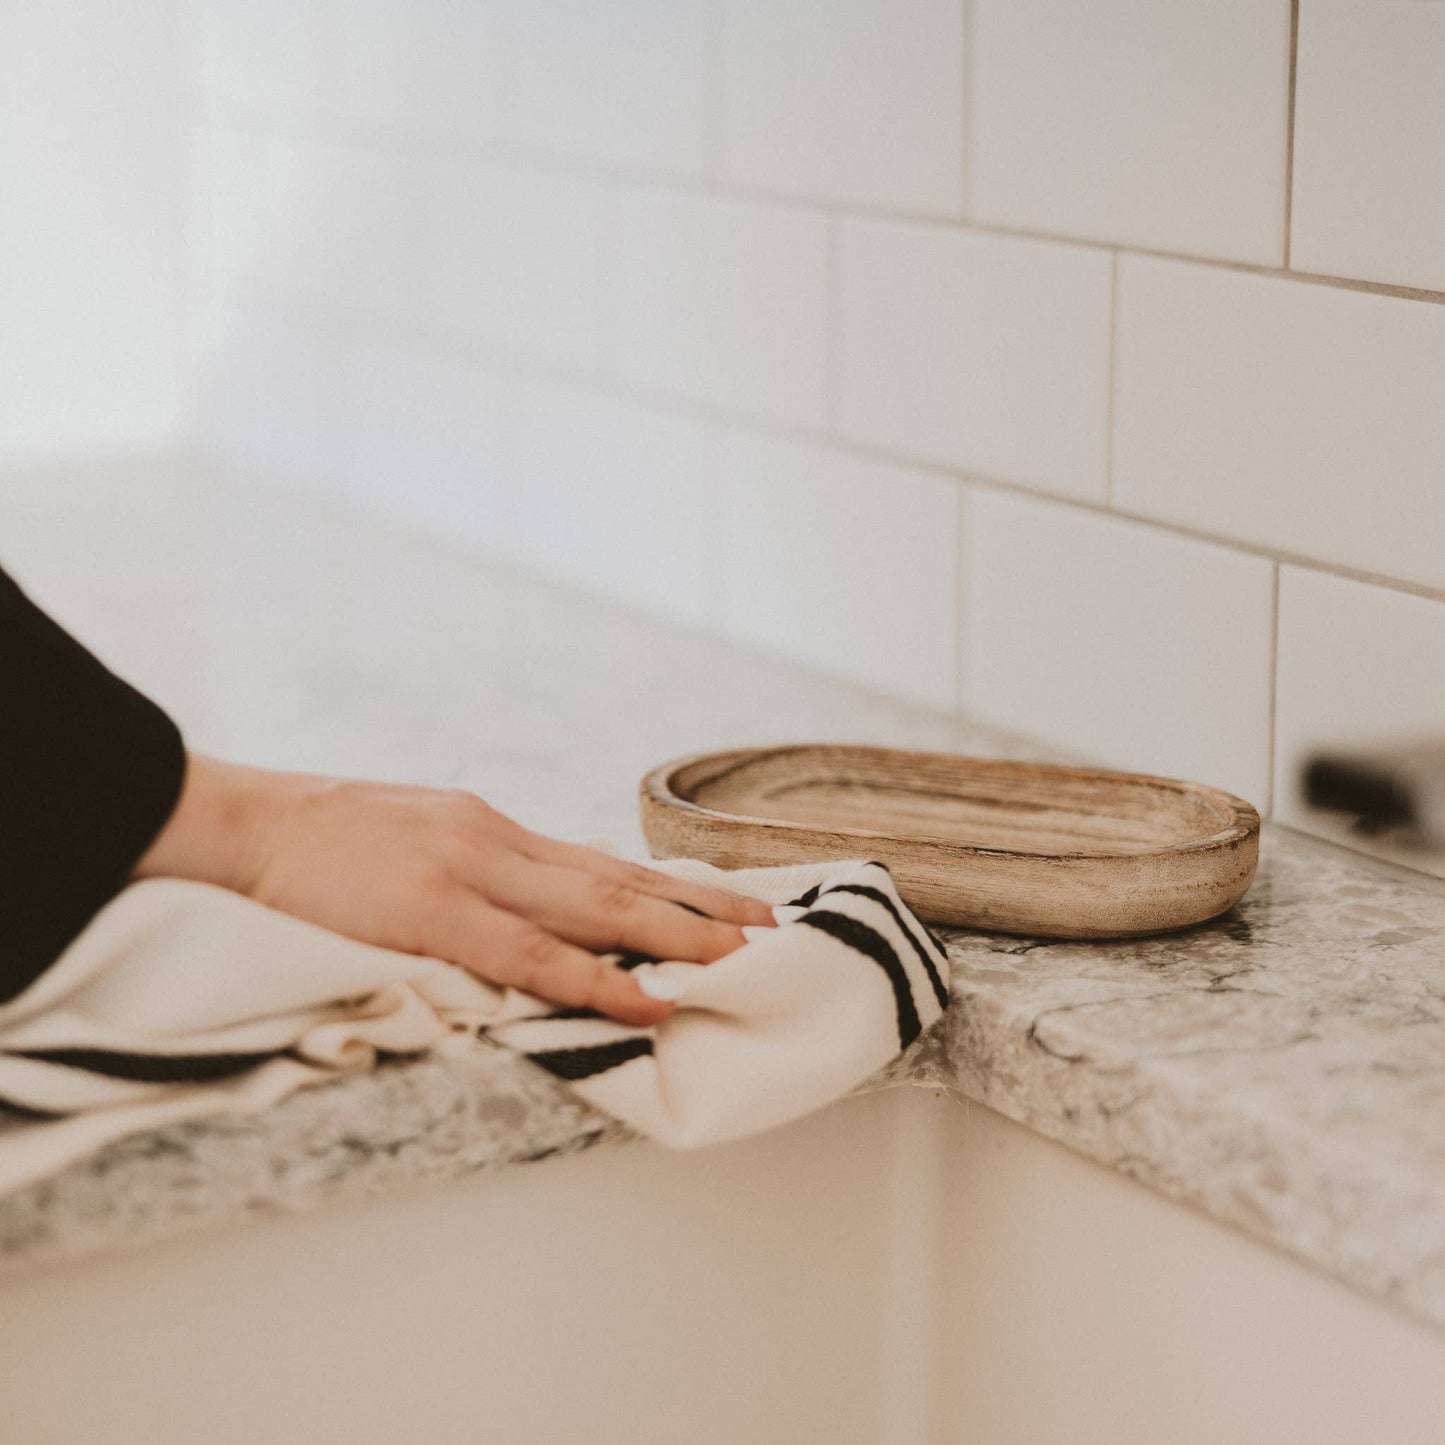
[89, 772]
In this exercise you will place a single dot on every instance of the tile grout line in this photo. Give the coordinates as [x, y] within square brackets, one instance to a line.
[511, 364]
[714, 561]
[1269, 772]
[191, 268]
[714, 157]
[1111, 408]
[966, 126]
[607, 263]
[961, 649]
[832, 321]
[1289, 129]
[518, 158]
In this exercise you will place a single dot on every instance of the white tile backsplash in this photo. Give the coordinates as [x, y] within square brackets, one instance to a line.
[715, 307]
[1302, 418]
[257, 58]
[424, 69]
[267, 393]
[855, 101]
[358, 238]
[94, 222]
[513, 259]
[987, 353]
[614, 497]
[252, 203]
[1369, 156]
[626, 84]
[845, 564]
[1145, 651]
[1358, 665]
[425, 442]
[1144, 122]
[722, 301]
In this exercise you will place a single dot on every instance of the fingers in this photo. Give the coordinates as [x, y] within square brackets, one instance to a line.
[505, 949]
[598, 913]
[715, 902]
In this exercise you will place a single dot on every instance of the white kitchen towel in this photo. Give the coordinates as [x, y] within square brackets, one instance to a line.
[181, 1000]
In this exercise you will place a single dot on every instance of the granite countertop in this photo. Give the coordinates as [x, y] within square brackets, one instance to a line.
[1282, 1069]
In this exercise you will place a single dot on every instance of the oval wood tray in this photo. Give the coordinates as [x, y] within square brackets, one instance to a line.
[1025, 848]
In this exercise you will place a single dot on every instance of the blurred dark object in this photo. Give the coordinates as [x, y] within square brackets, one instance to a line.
[1398, 789]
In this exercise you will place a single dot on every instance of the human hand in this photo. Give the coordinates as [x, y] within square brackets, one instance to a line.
[440, 873]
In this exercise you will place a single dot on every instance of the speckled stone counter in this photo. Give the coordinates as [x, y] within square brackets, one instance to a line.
[1282, 1069]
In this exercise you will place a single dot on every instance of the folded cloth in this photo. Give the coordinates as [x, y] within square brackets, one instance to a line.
[182, 1000]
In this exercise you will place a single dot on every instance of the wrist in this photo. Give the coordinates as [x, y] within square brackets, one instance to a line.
[215, 832]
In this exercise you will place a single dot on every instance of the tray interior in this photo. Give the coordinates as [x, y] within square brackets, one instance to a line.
[983, 803]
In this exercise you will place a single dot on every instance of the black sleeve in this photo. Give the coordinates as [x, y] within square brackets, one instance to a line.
[89, 772]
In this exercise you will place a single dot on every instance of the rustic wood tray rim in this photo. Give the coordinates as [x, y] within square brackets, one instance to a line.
[657, 785]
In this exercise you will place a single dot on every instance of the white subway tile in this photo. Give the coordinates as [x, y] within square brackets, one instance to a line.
[626, 83]
[251, 208]
[614, 498]
[843, 563]
[266, 398]
[1357, 665]
[94, 209]
[723, 301]
[1369, 141]
[424, 442]
[988, 353]
[1303, 418]
[1120, 642]
[254, 57]
[1146, 122]
[358, 242]
[417, 68]
[233, 178]
[515, 259]
[856, 100]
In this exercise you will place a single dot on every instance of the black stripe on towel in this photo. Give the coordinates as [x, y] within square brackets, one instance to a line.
[871, 944]
[630, 960]
[933, 938]
[583, 1063]
[11, 1112]
[150, 1068]
[940, 990]
[806, 900]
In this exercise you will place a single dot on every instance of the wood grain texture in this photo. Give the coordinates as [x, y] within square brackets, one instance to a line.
[1028, 848]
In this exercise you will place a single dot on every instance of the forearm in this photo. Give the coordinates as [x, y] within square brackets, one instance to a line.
[89, 772]
[96, 790]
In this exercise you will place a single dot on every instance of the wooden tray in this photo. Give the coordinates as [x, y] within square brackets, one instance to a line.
[1018, 847]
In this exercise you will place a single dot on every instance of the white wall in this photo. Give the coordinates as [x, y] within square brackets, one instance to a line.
[93, 202]
[1038, 358]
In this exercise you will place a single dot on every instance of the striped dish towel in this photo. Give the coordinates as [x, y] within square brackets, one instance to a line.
[182, 1000]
